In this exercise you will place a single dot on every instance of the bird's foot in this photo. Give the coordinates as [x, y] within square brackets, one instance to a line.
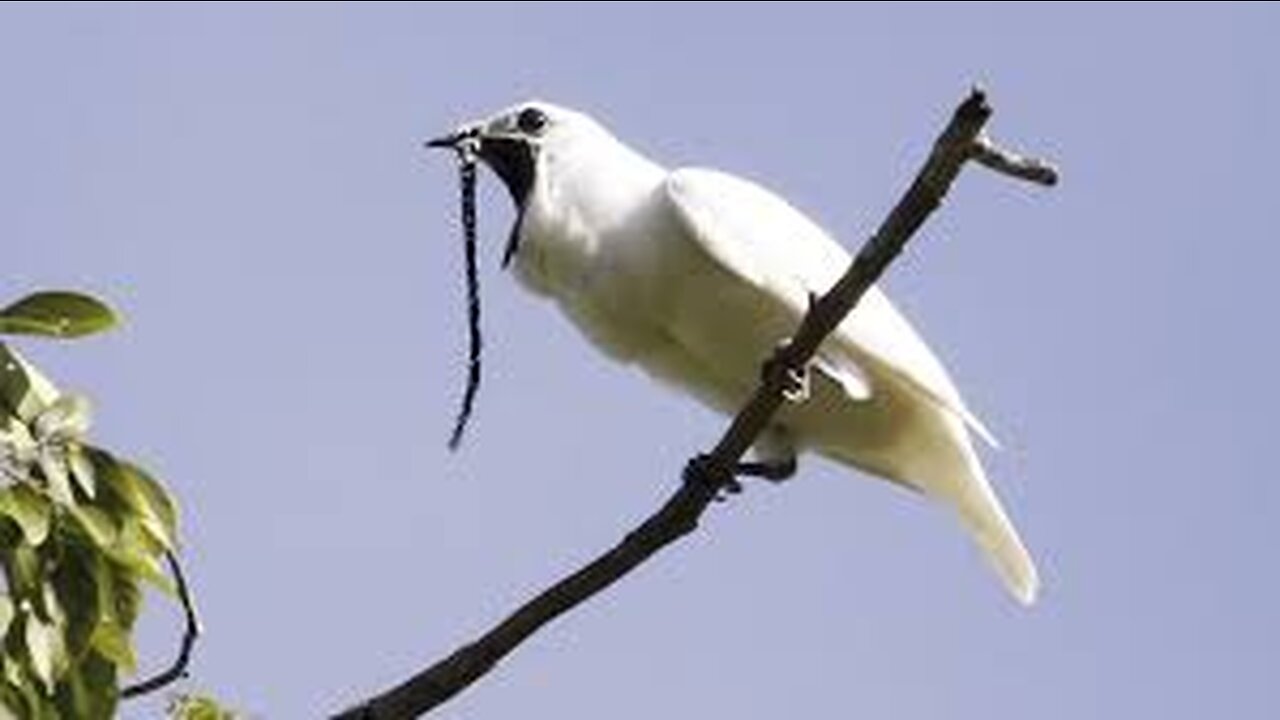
[793, 379]
[711, 476]
[703, 472]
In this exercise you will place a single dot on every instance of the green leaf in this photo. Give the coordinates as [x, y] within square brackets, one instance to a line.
[142, 494]
[7, 611]
[38, 707]
[12, 671]
[160, 504]
[126, 599]
[97, 525]
[83, 600]
[198, 707]
[51, 604]
[46, 649]
[92, 692]
[27, 701]
[26, 571]
[24, 391]
[29, 509]
[12, 703]
[114, 643]
[82, 470]
[139, 552]
[57, 479]
[58, 315]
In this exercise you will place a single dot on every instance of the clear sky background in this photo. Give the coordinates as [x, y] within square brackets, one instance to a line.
[247, 185]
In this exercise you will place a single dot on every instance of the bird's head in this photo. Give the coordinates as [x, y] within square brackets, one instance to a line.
[518, 144]
[515, 141]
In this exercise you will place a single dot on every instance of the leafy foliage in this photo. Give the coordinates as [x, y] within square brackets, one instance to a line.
[198, 707]
[57, 314]
[82, 532]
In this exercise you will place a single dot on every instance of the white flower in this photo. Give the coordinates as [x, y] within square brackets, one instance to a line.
[44, 429]
[18, 450]
[59, 434]
[54, 444]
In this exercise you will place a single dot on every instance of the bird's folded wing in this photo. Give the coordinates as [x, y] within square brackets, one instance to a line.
[760, 238]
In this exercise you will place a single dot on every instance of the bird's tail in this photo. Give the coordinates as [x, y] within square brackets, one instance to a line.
[982, 514]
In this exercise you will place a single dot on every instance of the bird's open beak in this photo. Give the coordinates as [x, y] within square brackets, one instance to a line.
[511, 157]
[455, 139]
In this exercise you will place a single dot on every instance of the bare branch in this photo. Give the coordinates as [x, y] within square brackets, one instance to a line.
[985, 152]
[706, 475]
[178, 669]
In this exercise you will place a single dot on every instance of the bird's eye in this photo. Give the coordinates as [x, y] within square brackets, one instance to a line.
[531, 120]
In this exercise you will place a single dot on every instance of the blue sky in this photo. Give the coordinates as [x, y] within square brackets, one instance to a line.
[246, 184]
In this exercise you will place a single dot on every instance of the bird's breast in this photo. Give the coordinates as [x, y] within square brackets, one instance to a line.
[609, 275]
[555, 251]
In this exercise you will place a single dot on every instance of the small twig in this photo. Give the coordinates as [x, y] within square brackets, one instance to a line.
[706, 475]
[178, 669]
[1035, 170]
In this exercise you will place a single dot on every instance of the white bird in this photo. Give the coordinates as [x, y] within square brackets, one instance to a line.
[696, 276]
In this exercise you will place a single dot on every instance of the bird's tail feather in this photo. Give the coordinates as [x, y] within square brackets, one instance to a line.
[984, 517]
[944, 465]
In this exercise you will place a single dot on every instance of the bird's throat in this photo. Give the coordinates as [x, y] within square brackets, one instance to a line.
[513, 161]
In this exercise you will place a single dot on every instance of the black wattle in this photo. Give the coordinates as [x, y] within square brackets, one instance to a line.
[513, 161]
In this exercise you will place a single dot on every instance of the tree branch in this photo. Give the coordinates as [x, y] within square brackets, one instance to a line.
[178, 669]
[987, 153]
[706, 475]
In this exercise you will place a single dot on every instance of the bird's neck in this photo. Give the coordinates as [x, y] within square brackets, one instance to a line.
[600, 182]
[579, 198]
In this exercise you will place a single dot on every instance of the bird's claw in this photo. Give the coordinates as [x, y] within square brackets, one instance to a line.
[796, 385]
[794, 380]
[703, 472]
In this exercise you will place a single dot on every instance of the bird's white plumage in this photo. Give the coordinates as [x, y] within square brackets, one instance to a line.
[787, 256]
[696, 275]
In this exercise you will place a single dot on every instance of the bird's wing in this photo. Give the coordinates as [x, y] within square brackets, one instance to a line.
[759, 237]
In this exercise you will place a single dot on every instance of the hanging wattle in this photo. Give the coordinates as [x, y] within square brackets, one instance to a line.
[513, 160]
[467, 180]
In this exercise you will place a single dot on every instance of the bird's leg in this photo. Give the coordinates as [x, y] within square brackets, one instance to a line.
[781, 367]
[702, 471]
